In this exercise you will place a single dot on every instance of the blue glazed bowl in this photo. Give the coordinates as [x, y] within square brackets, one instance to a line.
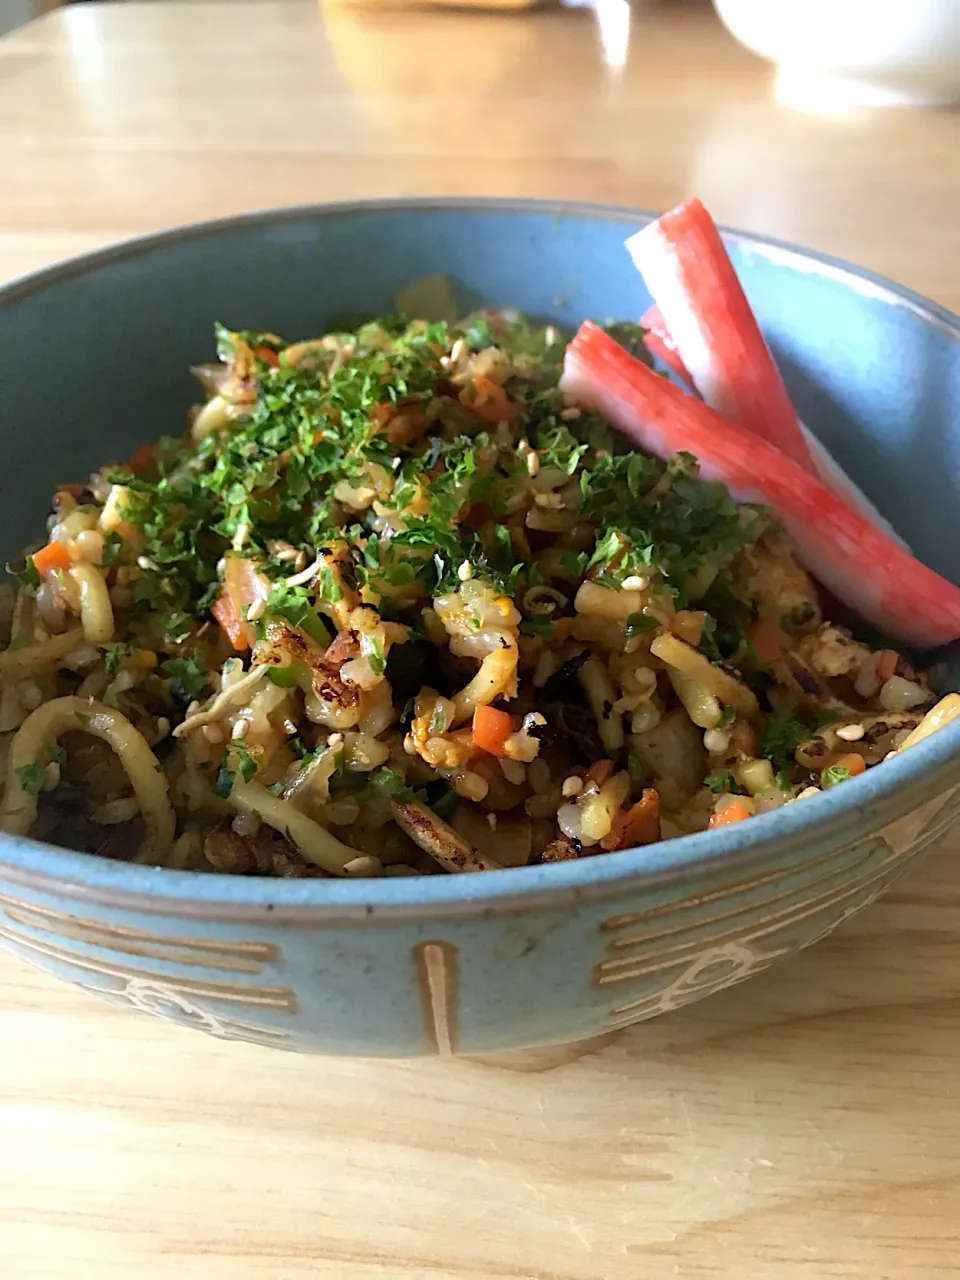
[95, 355]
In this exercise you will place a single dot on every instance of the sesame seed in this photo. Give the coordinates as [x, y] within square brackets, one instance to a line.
[465, 572]
[240, 727]
[851, 732]
[257, 610]
[716, 741]
[635, 583]
[533, 462]
[572, 786]
[282, 550]
[492, 821]
[365, 865]
[571, 414]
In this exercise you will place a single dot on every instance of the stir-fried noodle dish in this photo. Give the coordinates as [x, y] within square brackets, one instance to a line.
[412, 598]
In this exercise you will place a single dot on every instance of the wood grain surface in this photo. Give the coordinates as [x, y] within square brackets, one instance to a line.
[803, 1127]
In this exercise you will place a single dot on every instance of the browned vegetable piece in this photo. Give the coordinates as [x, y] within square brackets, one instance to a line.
[560, 850]
[791, 671]
[732, 692]
[769, 574]
[344, 646]
[831, 651]
[263, 852]
[283, 644]
[640, 824]
[438, 839]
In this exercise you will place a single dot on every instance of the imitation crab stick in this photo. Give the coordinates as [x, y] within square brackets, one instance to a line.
[855, 560]
[706, 315]
[834, 477]
[659, 340]
[703, 329]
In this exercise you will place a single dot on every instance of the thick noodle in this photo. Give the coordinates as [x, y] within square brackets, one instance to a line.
[495, 678]
[40, 731]
[314, 841]
[43, 656]
[96, 611]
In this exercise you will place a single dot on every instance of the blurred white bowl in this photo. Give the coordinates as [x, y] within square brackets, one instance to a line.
[884, 52]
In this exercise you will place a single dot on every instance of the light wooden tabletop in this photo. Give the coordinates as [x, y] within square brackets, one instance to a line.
[799, 1128]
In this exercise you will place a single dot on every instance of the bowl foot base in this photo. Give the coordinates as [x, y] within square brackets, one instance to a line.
[545, 1058]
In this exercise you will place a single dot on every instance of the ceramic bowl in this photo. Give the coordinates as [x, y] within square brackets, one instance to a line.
[95, 359]
[874, 52]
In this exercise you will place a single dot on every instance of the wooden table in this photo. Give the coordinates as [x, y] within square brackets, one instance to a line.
[801, 1128]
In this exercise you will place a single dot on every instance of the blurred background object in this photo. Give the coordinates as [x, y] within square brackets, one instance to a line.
[868, 52]
[448, 4]
[14, 13]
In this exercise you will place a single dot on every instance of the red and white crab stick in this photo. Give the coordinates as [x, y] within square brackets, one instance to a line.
[703, 329]
[659, 341]
[859, 563]
[704, 313]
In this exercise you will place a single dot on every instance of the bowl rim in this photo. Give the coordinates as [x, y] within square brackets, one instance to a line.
[836, 819]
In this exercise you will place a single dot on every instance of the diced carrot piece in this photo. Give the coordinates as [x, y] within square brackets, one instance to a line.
[886, 664]
[733, 811]
[640, 824]
[243, 586]
[268, 356]
[599, 772]
[244, 582]
[853, 762]
[225, 613]
[854, 559]
[489, 401]
[491, 728]
[52, 557]
[141, 459]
